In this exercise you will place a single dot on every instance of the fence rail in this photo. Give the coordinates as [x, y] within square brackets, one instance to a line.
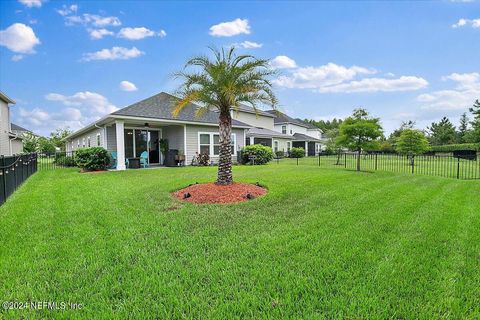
[14, 170]
[433, 165]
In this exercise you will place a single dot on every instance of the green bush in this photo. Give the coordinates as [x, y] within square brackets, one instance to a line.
[262, 154]
[280, 154]
[64, 160]
[297, 153]
[456, 147]
[92, 159]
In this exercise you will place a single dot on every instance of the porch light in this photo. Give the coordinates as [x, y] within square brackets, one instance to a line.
[147, 125]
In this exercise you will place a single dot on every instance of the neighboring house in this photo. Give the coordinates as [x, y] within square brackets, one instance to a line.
[304, 134]
[139, 127]
[10, 142]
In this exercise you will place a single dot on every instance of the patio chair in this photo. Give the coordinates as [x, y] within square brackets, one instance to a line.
[144, 159]
[115, 157]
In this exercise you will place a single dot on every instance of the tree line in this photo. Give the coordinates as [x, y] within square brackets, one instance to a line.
[360, 131]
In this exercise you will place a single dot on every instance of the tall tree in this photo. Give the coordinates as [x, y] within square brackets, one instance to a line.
[442, 132]
[222, 83]
[462, 128]
[392, 138]
[412, 142]
[359, 131]
[475, 110]
[58, 136]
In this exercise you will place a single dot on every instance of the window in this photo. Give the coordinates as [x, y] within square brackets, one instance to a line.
[78, 143]
[88, 141]
[72, 145]
[204, 143]
[275, 146]
[288, 146]
[284, 129]
[98, 139]
[291, 132]
[209, 143]
[83, 143]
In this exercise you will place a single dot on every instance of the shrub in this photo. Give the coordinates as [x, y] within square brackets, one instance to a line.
[261, 153]
[456, 147]
[279, 154]
[297, 153]
[203, 159]
[64, 160]
[92, 159]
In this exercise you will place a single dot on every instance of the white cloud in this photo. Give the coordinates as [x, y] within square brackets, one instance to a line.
[92, 102]
[320, 77]
[115, 53]
[139, 33]
[96, 34]
[283, 62]
[93, 20]
[43, 122]
[474, 23]
[231, 28]
[404, 83]
[128, 86]
[66, 10]
[248, 45]
[17, 57]
[31, 3]
[466, 90]
[19, 38]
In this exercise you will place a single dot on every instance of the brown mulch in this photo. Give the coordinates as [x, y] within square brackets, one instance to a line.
[212, 193]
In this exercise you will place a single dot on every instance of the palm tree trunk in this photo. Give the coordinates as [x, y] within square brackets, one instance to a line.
[225, 159]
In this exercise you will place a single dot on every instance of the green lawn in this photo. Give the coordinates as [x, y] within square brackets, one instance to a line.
[323, 243]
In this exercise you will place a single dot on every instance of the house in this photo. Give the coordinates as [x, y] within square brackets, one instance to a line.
[10, 142]
[304, 135]
[139, 127]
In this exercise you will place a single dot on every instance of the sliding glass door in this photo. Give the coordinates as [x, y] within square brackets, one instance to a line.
[138, 141]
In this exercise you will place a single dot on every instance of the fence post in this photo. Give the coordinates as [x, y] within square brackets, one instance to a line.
[376, 159]
[458, 167]
[297, 161]
[319, 159]
[345, 162]
[413, 164]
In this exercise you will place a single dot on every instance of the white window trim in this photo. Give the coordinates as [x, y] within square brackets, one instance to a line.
[211, 134]
[277, 146]
[83, 143]
[99, 140]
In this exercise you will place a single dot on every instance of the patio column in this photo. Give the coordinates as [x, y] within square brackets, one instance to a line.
[252, 140]
[306, 148]
[119, 128]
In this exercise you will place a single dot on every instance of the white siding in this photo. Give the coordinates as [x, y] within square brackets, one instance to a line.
[4, 129]
[174, 135]
[254, 120]
[192, 141]
[317, 134]
[17, 146]
[93, 139]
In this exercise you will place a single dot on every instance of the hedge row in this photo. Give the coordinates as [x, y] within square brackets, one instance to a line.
[456, 147]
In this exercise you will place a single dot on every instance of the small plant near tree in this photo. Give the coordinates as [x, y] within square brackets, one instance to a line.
[297, 153]
[262, 154]
[279, 154]
[92, 159]
[360, 131]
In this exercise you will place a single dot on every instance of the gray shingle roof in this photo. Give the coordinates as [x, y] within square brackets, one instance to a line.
[160, 106]
[266, 132]
[18, 128]
[249, 109]
[303, 137]
[283, 118]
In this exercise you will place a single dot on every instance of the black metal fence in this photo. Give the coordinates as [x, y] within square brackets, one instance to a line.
[14, 170]
[49, 161]
[434, 165]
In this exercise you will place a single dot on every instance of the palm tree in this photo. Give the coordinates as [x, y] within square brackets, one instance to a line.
[221, 84]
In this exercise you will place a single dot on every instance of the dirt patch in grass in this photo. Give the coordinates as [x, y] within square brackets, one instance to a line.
[212, 193]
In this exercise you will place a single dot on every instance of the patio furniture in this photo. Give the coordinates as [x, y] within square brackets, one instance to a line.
[133, 163]
[115, 159]
[144, 159]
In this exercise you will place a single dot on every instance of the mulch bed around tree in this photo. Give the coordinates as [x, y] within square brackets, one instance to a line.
[212, 193]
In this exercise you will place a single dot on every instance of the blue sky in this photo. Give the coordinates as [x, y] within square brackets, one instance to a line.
[69, 63]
